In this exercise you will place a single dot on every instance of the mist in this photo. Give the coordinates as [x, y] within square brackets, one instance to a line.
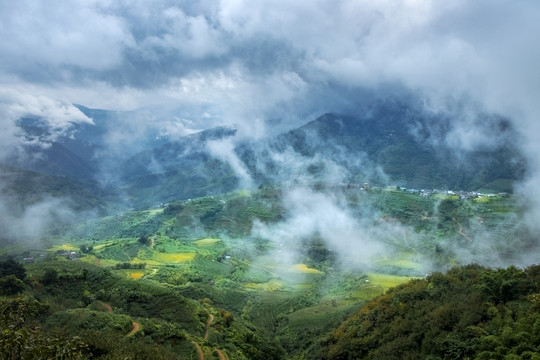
[264, 68]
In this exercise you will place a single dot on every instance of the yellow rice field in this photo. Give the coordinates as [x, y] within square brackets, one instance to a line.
[272, 285]
[66, 247]
[303, 268]
[135, 275]
[173, 257]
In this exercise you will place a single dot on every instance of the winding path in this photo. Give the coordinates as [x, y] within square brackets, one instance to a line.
[221, 354]
[199, 350]
[136, 328]
[461, 230]
[208, 323]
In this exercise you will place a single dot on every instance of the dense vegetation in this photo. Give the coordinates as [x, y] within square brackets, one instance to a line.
[468, 313]
[73, 310]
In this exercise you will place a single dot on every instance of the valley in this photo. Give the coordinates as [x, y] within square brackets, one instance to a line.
[208, 278]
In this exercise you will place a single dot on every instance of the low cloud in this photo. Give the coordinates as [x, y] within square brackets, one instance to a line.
[224, 150]
[56, 116]
[357, 242]
[32, 223]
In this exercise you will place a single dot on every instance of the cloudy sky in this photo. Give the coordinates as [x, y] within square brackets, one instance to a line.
[245, 59]
[245, 62]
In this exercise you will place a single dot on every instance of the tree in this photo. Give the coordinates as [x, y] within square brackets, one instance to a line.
[86, 249]
[11, 285]
[11, 267]
[50, 276]
[144, 240]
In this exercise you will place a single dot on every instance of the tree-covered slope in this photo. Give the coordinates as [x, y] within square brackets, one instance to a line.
[468, 313]
[23, 188]
[74, 310]
[402, 144]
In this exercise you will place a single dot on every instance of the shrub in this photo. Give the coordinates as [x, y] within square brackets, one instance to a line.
[50, 277]
[10, 285]
[11, 267]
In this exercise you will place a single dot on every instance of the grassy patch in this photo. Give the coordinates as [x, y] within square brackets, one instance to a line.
[385, 280]
[207, 241]
[486, 199]
[65, 247]
[402, 260]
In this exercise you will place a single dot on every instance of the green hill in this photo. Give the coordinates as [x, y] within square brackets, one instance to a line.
[468, 313]
[82, 311]
[23, 188]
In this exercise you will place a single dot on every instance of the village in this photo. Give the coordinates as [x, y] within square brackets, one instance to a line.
[462, 194]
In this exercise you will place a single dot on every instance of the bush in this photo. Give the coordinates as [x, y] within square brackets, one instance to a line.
[11, 267]
[50, 277]
[10, 285]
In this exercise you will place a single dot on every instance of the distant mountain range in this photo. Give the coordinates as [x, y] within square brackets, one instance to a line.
[388, 143]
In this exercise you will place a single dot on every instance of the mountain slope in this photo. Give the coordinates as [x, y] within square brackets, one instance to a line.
[384, 145]
[470, 312]
[178, 170]
[388, 143]
[22, 188]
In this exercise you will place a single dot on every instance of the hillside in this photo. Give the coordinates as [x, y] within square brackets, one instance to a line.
[199, 268]
[386, 143]
[22, 188]
[177, 170]
[393, 143]
[85, 312]
[470, 312]
[382, 145]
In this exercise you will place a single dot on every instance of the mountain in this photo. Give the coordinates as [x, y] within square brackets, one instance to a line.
[22, 188]
[383, 145]
[387, 143]
[178, 170]
[56, 156]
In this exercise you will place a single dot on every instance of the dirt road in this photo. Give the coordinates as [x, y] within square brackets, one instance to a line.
[199, 350]
[208, 323]
[221, 355]
[136, 328]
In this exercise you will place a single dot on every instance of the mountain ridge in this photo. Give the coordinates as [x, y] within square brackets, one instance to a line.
[388, 143]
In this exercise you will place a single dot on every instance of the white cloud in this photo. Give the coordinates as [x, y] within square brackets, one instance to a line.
[59, 117]
[224, 150]
[356, 241]
[61, 33]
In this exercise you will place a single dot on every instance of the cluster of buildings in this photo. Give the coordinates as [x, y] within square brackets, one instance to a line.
[461, 193]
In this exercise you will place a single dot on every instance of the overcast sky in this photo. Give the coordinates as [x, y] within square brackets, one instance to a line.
[244, 62]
